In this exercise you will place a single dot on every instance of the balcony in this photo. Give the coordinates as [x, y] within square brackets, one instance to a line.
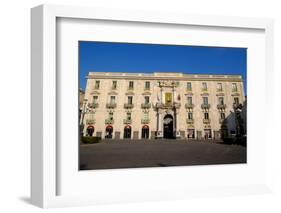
[130, 88]
[189, 106]
[127, 121]
[111, 105]
[109, 121]
[145, 121]
[128, 106]
[205, 106]
[204, 89]
[93, 105]
[206, 121]
[147, 89]
[221, 106]
[189, 121]
[167, 105]
[237, 106]
[221, 120]
[145, 106]
[90, 121]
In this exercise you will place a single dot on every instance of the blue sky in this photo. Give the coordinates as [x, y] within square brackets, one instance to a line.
[147, 58]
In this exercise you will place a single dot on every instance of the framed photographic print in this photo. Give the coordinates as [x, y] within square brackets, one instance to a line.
[146, 105]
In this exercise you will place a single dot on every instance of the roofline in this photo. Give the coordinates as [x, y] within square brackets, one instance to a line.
[163, 76]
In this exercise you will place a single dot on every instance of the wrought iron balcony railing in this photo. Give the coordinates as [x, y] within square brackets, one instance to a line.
[205, 106]
[189, 121]
[206, 121]
[189, 106]
[93, 105]
[127, 121]
[128, 106]
[168, 105]
[221, 120]
[237, 106]
[146, 105]
[221, 106]
[109, 121]
[145, 121]
[90, 121]
[111, 105]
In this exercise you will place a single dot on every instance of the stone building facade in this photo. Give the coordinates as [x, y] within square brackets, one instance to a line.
[160, 105]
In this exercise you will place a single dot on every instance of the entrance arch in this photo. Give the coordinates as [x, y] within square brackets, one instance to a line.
[90, 130]
[127, 131]
[168, 126]
[145, 132]
[108, 131]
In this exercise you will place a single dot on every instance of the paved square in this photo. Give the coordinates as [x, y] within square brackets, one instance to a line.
[157, 153]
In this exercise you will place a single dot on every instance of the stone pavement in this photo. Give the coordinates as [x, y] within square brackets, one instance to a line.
[110, 154]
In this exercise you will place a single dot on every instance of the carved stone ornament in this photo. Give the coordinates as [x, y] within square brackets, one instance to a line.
[168, 83]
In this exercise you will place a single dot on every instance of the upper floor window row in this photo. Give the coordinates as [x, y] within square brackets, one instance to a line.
[234, 87]
[97, 84]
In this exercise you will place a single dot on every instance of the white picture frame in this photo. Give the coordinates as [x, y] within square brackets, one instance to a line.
[44, 150]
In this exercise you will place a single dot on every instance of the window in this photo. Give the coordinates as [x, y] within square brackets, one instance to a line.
[110, 115]
[145, 115]
[147, 85]
[129, 116]
[234, 87]
[222, 116]
[95, 99]
[219, 87]
[146, 99]
[97, 84]
[221, 101]
[112, 99]
[236, 100]
[206, 115]
[188, 86]
[189, 100]
[131, 85]
[205, 100]
[114, 84]
[190, 116]
[204, 86]
[130, 99]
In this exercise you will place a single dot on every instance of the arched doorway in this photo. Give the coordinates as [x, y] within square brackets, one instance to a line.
[127, 131]
[90, 130]
[108, 131]
[168, 126]
[145, 132]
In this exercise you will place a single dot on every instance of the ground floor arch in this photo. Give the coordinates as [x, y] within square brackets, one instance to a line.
[168, 126]
[90, 130]
[108, 131]
[145, 132]
[127, 132]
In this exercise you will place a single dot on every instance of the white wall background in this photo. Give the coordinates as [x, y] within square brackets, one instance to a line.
[15, 106]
